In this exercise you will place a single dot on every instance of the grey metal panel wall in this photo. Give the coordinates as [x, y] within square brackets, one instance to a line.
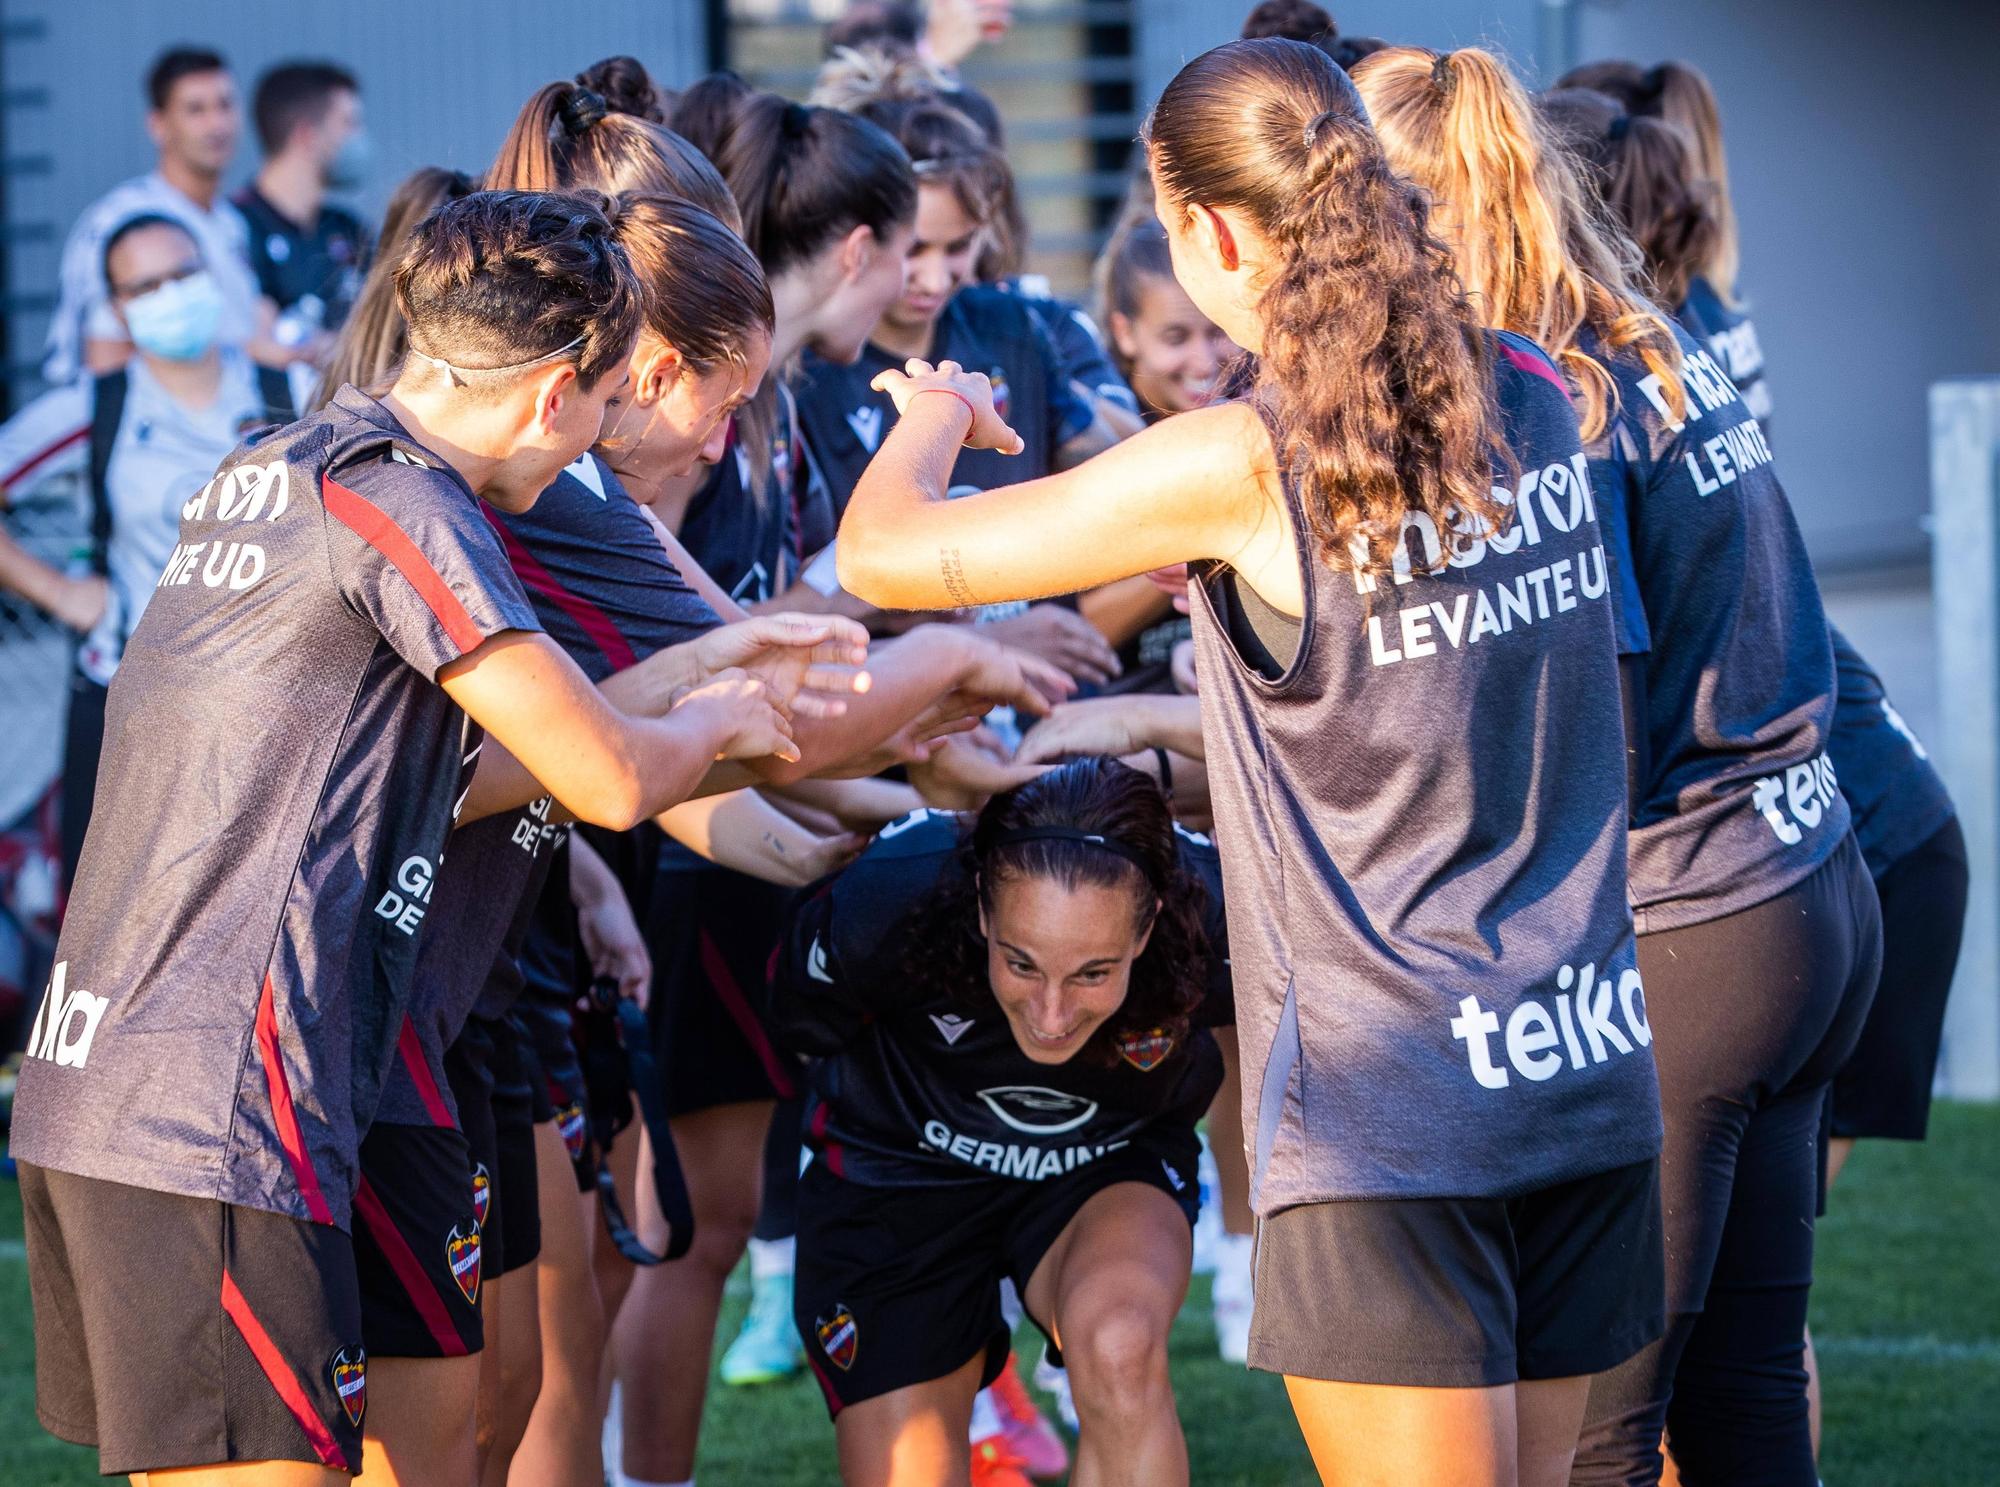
[1171, 31]
[1863, 138]
[441, 80]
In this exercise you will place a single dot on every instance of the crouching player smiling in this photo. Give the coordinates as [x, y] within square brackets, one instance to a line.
[1012, 1014]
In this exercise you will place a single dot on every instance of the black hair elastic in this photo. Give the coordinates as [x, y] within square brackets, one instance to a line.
[1620, 127]
[1443, 77]
[795, 120]
[1018, 835]
[582, 109]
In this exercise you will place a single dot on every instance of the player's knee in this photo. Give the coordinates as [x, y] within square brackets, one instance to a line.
[721, 1237]
[1117, 1357]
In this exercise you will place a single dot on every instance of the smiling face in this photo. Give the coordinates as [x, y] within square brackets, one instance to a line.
[198, 126]
[1060, 959]
[939, 263]
[1175, 352]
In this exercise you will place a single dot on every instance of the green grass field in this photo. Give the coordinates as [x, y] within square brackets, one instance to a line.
[1906, 1313]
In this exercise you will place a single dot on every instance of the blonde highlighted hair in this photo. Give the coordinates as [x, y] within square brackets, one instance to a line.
[1532, 247]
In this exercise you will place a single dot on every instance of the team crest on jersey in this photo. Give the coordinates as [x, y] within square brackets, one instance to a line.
[461, 1252]
[349, 1374]
[1146, 1051]
[482, 1195]
[838, 1336]
[571, 1123]
[1000, 399]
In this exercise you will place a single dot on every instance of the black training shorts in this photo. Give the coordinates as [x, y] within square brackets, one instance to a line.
[900, 1285]
[175, 1332]
[1463, 1293]
[417, 1245]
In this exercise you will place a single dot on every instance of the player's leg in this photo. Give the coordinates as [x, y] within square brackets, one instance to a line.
[911, 1437]
[665, 1330]
[561, 1447]
[1109, 1288]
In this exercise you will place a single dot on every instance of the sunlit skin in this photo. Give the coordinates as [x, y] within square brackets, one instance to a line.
[1059, 959]
[1174, 351]
[671, 418]
[939, 264]
[849, 286]
[197, 131]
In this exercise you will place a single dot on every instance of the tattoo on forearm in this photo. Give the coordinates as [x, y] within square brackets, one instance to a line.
[951, 567]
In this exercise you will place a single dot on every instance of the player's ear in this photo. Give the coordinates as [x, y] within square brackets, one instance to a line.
[857, 252]
[553, 390]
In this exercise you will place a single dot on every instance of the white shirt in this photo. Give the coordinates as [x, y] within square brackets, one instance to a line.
[83, 306]
[163, 454]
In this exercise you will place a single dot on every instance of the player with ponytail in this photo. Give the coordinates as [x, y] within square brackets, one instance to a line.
[1392, 479]
[1759, 933]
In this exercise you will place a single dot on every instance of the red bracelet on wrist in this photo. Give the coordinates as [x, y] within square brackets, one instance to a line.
[971, 412]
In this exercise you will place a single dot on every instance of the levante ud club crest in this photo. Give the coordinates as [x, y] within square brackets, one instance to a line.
[349, 1372]
[1145, 1051]
[838, 1336]
[570, 1121]
[461, 1252]
[482, 1195]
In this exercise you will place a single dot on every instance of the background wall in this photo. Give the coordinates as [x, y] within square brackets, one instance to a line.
[1864, 148]
[441, 80]
[1863, 141]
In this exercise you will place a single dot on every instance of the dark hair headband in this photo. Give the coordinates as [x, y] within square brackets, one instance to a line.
[1015, 836]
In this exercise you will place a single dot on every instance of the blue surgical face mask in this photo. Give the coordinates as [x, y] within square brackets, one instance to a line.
[177, 321]
[349, 166]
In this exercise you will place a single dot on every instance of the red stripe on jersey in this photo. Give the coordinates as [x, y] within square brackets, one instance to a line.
[283, 1114]
[594, 622]
[830, 1151]
[375, 527]
[409, 1270]
[279, 1372]
[411, 1051]
[738, 1008]
[1534, 366]
[75, 436]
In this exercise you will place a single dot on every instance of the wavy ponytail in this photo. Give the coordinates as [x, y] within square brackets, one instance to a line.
[1374, 368]
[1531, 247]
[569, 137]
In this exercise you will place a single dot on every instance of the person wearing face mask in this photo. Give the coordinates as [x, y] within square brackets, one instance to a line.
[1012, 1015]
[142, 436]
[308, 253]
[194, 120]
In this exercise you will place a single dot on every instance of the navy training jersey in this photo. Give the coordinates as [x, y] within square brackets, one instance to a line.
[916, 1090]
[606, 592]
[1422, 821]
[1731, 338]
[1743, 801]
[280, 773]
[1893, 792]
[983, 330]
[1081, 354]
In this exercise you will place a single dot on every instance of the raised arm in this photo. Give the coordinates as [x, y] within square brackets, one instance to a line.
[1202, 485]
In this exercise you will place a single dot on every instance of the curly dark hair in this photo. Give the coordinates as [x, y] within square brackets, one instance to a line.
[1375, 372]
[945, 954]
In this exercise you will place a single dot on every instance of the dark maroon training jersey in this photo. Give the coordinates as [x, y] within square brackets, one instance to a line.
[280, 773]
[606, 592]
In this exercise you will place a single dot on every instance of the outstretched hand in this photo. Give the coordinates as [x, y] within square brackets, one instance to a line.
[989, 430]
[810, 664]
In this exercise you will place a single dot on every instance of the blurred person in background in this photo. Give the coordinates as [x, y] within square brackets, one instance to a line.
[308, 253]
[195, 122]
[146, 436]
